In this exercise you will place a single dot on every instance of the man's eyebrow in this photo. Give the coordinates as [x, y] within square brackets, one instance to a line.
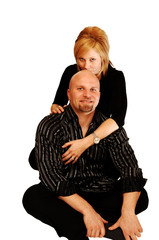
[84, 86]
[95, 88]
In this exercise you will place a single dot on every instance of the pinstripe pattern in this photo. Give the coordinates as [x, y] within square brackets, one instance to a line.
[88, 173]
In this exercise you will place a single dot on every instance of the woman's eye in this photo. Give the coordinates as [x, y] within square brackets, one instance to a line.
[81, 59]
[93, 59]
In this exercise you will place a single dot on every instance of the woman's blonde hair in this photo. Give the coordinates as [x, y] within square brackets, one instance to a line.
[93, 37]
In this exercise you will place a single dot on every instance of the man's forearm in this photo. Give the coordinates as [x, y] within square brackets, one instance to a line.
[77, 203]
[129, 202]
[128, 221]
[93, 221]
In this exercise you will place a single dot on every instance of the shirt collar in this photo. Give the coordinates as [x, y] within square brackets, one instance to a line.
[71, 115]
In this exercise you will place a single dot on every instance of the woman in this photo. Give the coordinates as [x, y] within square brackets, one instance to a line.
[91, 52]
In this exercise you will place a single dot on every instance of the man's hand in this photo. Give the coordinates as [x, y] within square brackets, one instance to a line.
[94, 224]
[130, 226]
[93, 221]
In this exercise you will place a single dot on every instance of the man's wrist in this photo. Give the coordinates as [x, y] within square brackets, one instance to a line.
[88, 210]
[129, 202]
[127, 211]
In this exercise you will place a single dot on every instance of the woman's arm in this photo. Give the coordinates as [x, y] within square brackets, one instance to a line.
[77, 147]
[106, 128]
[118, 98]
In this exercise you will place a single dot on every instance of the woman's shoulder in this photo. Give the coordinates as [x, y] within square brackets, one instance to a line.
[113, 71]
[71, 69]
[114, 76]
[68, 73]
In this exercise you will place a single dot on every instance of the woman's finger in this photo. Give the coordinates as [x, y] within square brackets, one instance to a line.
[75, 160]
[67, 144]
[67, 157]
[138, 234]
[133, 237]
[60, 109]
[56, 109]
[70, 160]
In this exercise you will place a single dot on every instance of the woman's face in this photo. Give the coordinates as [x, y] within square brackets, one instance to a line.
[90, 61]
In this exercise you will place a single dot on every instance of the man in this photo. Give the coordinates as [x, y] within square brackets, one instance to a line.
[79, 199]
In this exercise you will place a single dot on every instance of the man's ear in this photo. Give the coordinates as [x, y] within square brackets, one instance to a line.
[68, 94]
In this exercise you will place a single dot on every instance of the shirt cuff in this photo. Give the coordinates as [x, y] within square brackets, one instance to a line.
[132, 180]
[65, 188]
[132, 184]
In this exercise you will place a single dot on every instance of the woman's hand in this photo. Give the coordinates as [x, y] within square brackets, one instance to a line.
[77, 147]
[55, 108]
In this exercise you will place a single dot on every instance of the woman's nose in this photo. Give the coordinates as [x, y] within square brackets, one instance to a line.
[86, 65]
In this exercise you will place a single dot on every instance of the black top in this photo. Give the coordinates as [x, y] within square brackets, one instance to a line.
[94, 171]
[113, 100]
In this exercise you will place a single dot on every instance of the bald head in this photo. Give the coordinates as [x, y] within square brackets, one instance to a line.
[85, 74]
[84, 92]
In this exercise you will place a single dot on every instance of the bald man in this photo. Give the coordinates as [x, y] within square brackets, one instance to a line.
[83, 199]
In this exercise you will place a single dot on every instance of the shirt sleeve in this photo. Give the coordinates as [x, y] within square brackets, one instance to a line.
[50, 167]
[118, 98]
[61, 94]
[125, 161]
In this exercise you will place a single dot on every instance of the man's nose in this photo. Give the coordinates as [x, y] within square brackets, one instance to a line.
[86, 93]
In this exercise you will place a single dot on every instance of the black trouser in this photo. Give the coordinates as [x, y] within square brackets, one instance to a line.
[45, 206]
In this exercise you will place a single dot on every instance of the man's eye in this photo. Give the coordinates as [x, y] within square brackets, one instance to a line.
[80, 88]
[93, 89]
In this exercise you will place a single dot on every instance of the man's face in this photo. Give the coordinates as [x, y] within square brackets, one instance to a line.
[84, 92]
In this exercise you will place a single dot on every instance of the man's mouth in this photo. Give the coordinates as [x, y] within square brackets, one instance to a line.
[86, 101]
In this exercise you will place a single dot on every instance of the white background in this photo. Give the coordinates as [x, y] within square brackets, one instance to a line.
[36, 45]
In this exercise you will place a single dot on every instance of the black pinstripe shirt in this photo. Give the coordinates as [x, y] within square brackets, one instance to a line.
[96, 170]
